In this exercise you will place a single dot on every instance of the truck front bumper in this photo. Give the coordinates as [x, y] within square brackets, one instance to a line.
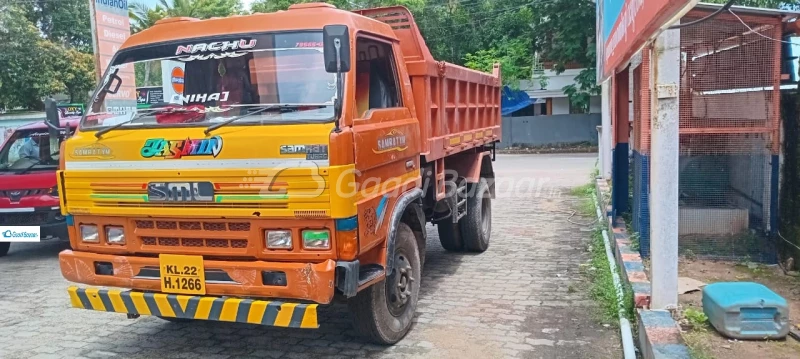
[273, 313]
[313, 282]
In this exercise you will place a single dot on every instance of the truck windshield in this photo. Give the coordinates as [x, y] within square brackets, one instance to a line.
[28, 150]
[209, 81]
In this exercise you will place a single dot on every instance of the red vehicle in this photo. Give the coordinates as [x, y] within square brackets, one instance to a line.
[28, 192]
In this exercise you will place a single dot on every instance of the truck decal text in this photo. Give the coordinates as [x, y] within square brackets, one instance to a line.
[176, 149]
[392, 141]
[215, 46]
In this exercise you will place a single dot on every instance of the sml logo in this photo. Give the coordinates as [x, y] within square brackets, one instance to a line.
[175, 149]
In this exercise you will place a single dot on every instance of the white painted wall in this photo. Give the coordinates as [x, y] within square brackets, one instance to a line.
[560, 106]
[595, 105]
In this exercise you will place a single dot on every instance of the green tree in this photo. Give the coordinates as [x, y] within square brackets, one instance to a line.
[76, 73]
[513, 56]
[143, 16]
[26, 77]
[563, 34]
[201, 9]
[62, 21]
[35, 67]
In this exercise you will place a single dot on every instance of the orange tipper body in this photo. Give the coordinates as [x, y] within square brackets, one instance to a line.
[242, 194]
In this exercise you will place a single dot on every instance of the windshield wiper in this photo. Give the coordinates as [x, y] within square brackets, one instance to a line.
[102, 132]
[282, 107]
[26, 169]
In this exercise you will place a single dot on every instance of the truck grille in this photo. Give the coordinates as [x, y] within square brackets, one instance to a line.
[194, 226]
[192, 236]
[23, 218]
[194, 242]
[16, 194]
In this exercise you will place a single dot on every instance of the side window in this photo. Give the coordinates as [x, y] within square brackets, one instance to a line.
[376, 76]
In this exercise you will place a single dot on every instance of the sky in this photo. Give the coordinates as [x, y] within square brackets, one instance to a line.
[152, 3]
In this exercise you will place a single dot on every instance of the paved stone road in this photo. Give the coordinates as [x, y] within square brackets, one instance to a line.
[523, 298]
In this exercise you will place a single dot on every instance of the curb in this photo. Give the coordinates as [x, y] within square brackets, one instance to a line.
[659, 335]
[627, 258]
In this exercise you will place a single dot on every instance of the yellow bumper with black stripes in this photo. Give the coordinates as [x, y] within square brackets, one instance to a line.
[273, 313]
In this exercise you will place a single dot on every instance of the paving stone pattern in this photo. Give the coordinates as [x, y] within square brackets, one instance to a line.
[523, 298]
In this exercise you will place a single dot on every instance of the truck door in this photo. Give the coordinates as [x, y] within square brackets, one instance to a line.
[386, 138]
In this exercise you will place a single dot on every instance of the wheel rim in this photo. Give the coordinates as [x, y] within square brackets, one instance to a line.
[486, 216]
[399, 285]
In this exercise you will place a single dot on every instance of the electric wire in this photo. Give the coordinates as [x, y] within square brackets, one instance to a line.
[709, 17]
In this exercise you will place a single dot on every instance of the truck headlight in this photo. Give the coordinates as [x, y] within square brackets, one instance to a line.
[279, 239]
[89, 233]
[115, 235]
[316, 239]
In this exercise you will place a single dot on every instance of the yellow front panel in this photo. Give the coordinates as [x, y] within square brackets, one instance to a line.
[246, 165]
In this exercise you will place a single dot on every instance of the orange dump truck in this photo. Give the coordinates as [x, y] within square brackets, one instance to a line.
[290, 159]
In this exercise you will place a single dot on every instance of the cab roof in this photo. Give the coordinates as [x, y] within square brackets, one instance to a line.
[309, 16]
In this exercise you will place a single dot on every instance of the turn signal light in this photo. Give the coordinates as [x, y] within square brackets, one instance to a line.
[347, 244]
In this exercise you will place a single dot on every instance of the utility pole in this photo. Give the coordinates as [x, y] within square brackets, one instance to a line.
[605, 133]
[665, 131]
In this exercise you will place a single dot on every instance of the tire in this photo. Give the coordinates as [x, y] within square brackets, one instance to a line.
[476, 226]
[379, 314]
[4, 247]
[450, 235]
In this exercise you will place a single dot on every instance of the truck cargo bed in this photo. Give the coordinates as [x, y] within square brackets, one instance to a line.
[458, 108]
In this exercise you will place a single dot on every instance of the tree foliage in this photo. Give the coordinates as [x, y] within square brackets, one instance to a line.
[564, 35]
[513, 56]
[65, 22]
[201, 9]
[45, 50]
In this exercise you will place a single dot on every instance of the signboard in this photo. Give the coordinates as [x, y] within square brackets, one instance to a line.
[147, 96]
[624, 26]
[70, 110]
[110, 28]
[172, 78]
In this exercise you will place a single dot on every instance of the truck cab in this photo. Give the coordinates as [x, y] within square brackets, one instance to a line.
[295, 160]
[29, 195]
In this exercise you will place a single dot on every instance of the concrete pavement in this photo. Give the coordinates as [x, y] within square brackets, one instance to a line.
[523, 298]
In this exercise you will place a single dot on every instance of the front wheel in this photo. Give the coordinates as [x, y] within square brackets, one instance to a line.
[383, 312]
[4, 247]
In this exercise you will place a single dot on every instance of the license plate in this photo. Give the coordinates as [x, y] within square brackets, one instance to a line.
[182, 274]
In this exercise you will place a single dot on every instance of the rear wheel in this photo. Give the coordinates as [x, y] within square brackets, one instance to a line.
[4, 247]
[476, 226]
[383, 312]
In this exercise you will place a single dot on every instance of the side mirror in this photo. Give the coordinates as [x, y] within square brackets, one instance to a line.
[336, 47]
[53, 123]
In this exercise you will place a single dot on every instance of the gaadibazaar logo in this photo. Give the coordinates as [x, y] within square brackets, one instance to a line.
[175, 149]
[14, 234]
